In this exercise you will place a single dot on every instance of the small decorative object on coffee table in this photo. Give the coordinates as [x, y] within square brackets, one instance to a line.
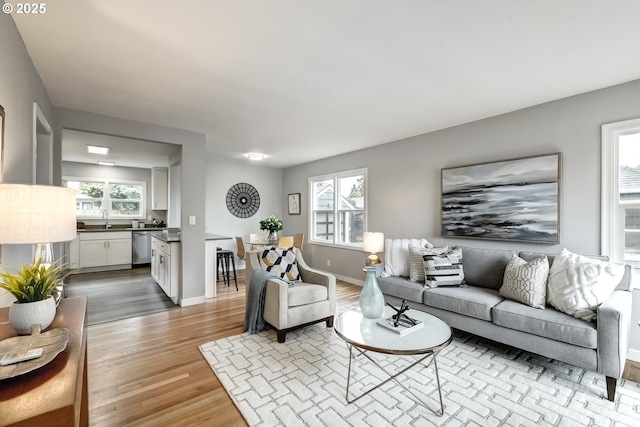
[371, 298]
[400, 322]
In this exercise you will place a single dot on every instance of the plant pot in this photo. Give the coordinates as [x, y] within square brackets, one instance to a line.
[272, 236]
[23, 315]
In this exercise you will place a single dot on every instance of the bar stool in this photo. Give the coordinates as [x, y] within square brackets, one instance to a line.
[226, 259]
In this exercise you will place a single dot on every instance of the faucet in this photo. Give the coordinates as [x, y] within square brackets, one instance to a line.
[105, 219]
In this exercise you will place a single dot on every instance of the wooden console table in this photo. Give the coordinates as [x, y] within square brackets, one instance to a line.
[55, 394]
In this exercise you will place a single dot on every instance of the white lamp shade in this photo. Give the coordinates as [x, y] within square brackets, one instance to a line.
[36, 214]
[373, 242]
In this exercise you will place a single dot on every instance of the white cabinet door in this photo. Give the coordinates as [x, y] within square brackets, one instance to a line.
[119, 251]
[93, 253]
[73, 254]
[159, 189]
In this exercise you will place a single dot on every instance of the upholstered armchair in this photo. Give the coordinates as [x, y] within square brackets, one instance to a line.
[309, 301]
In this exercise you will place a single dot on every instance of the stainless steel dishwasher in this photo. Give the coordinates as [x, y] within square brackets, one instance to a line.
[141, 247]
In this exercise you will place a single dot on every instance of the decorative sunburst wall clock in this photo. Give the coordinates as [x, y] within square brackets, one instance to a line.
[243, 200]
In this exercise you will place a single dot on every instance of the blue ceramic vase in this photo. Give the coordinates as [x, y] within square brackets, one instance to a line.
[371, 298]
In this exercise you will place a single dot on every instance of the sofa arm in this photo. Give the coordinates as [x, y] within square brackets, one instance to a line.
[614, 317]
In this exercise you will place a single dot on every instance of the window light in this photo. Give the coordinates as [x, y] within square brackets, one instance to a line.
[106, 163]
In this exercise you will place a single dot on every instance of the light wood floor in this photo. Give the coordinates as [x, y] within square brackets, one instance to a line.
[148, 371]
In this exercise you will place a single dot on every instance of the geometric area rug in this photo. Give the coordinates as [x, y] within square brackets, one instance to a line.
[302, 382]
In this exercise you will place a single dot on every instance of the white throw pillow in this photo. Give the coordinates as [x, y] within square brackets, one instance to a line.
[578, 285]
[443, 267]
[396, 255]
[281, 262]
[526, 282]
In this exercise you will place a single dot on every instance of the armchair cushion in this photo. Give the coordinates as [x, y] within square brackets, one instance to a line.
[307, 293]
[281, 262]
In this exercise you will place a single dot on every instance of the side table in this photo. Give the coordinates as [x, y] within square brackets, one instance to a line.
[55, 394]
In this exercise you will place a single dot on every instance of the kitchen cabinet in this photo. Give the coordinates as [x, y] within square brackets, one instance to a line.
[73, 254]
[159, 189]
[165, 266]
[105, 249]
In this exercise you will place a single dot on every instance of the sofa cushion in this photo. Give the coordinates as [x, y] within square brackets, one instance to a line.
[396, 255]
[485, 267]
[529, 256]
[578, 284]
[549, 323]
[306, 293]
[471, 301]
[402, 288]
[443, 267]
[526, 282]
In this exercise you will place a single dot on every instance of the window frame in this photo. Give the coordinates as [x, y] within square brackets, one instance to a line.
[335, 177]
[106, 198]
[613, 210]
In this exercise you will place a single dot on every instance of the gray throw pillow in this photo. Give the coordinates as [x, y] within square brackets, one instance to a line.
[526, 282]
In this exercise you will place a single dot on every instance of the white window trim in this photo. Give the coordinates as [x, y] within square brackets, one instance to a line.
[612, 212]
[335, 176]
[107, 182]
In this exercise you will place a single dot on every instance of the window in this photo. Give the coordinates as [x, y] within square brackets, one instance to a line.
[621, 192]
[121, 199]
[338, 208]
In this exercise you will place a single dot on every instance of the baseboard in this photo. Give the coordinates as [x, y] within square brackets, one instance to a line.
[633, 355]
[185, 302]
[349, 279]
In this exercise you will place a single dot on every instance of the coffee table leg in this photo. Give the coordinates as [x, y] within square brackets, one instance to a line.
[394, 378]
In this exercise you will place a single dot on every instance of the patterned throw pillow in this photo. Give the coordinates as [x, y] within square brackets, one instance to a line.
[578, 285]
[526, 282]
[281, 262]
[416, 263]
[443, 267]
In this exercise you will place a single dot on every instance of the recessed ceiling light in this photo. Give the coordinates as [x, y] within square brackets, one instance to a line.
[106, 163]
[256, 156]
[95, 149]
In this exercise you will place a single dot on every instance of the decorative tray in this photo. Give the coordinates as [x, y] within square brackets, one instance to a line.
[52, 342]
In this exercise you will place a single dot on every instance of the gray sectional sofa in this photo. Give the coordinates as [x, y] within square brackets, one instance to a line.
[478, 308]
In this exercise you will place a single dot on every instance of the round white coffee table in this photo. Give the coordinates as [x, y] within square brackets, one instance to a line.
[366, 335]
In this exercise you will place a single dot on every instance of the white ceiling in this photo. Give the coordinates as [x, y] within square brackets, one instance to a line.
[306, 79]
[122, 151]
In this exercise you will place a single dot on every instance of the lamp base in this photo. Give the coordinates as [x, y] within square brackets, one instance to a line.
[373, 259]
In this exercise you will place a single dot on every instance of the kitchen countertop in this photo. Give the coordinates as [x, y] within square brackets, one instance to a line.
[210, 236]
[91, 230]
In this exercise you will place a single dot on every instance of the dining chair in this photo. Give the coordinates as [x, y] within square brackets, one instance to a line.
[255, 237]
[240, 244]
[285, 242]
[298, 240]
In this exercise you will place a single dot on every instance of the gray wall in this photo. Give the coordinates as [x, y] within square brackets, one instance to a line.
[115, 172]
[193, 187]
[404, 176]
[20, 87]
[221, 175]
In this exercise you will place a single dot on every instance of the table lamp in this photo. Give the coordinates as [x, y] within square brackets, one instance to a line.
[373, 243]
[37, 214]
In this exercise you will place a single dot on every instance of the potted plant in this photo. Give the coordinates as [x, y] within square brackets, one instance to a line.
[272, 225]
[32, 287]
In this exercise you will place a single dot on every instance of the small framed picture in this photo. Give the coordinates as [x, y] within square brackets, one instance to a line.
[294, 204]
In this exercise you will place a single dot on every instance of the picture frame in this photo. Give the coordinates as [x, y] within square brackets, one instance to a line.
[515, 200]
[294, 203]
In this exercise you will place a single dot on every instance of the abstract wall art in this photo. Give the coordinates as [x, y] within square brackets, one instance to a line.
[516, 200]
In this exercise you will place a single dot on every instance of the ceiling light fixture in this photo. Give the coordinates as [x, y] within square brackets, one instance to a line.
[95, 149]
[256, 156]
[106, 163]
